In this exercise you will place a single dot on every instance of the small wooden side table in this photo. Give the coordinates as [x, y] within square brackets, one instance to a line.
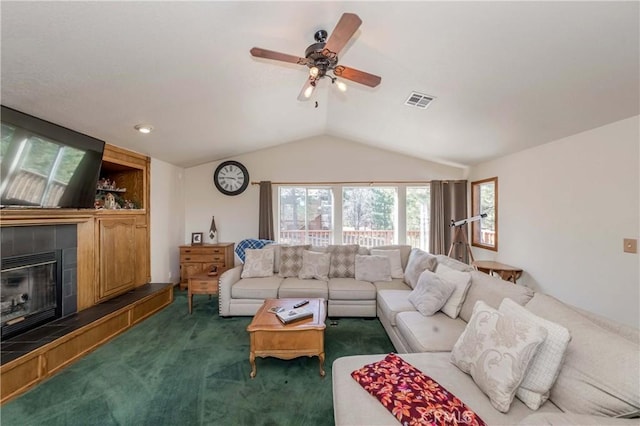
[506, 272]
[202, 283]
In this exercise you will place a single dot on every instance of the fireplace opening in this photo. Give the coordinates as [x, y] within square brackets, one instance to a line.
[30, 291]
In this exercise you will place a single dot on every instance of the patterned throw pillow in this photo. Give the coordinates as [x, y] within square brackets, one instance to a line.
[343, 261]
[373, 268]
[496, 349]
[257, 263]
[394, 258]
[544, 369]
[419, 261]
[431, 293]
[291, 260]
[315, 265]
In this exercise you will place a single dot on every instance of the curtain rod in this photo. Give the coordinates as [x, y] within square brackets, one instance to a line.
[367, 182]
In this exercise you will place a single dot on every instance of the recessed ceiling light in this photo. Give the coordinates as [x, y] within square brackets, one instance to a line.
[143, 128]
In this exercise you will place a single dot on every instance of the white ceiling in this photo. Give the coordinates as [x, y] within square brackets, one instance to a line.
[506, 75]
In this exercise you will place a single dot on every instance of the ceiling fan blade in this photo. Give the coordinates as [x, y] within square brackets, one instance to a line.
[357, 76]
[342, 33]
[270, 54]
[307, 89]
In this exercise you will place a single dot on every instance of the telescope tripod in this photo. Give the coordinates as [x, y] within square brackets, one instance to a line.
[461, 235]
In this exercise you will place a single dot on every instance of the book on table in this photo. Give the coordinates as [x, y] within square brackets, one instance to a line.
[296, 314]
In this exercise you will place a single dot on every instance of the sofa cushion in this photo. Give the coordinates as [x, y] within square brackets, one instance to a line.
[492, 290]
[373, 268]
[391, 302]
[354, 406]
[419, 261]
[257, 263]
[431, 293]
[315, 265]
[601, 369]
[437, 333]
[302, 288]
[405, 251]
[343, 261]
[496, 349]
[256, 288]
[461, 282]
[395, 261]
[544, 369]
[291, 260]
[394, 284]
[351, 289]
[452, 263]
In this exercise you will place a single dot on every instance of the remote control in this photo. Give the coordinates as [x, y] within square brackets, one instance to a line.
[304, 302]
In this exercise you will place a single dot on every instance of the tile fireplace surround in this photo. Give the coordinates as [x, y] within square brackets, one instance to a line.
[30, 240]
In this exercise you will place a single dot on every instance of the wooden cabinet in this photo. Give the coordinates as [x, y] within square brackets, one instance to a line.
[122, 235]
[201, 258]
[117, 255]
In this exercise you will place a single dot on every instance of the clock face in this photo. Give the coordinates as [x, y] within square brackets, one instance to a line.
[231, 178]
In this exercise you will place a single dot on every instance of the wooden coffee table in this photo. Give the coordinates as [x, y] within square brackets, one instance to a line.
[269, 337]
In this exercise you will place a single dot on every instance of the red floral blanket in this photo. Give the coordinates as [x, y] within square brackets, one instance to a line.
[412, 397]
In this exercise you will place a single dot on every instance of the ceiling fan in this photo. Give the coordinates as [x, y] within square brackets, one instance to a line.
[322, 57]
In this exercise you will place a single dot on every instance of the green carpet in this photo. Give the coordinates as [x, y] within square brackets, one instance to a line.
[181, 369]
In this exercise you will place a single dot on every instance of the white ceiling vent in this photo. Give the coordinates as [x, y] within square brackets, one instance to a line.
[419, 100]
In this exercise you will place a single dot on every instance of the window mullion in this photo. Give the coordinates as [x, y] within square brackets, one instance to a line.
[337, 213]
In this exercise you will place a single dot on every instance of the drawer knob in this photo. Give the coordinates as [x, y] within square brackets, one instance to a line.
[187, 258]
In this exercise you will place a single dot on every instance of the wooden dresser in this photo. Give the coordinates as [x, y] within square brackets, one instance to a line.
[201, 258]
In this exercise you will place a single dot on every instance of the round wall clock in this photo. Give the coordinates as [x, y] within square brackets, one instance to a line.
[231, 178]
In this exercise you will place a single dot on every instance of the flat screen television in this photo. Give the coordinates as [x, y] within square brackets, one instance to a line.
[46, 165]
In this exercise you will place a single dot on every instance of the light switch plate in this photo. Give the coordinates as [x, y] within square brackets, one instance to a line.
[630, 245]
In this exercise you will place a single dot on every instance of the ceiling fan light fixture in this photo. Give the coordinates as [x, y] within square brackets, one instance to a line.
[309, 91]
[314, 71]
[341, 86]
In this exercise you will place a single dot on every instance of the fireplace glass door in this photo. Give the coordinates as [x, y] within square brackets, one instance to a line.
[28, 291]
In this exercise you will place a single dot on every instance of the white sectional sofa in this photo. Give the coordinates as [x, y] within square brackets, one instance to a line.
[599, 379]
[346, 297]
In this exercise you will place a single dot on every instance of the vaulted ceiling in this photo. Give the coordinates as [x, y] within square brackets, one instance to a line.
[506, 75]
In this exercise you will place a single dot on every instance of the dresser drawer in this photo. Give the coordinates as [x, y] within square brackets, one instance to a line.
[217, 258]
[202, 250]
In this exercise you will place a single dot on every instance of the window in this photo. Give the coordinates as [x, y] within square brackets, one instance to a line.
[306, 215]
[418, 216]
[484, 199]
[369, 216]
[364, 215]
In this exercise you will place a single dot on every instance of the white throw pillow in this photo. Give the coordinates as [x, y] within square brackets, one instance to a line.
[544, 369]
[394, 258]
[373, 268]
[257, 263]
[430, 293]
[315, 265]
[496, 349]
[419, 261]
[461, 281]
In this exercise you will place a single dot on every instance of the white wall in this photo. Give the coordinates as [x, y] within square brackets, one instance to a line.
[564, 209]
[167, 221]
[318, 159]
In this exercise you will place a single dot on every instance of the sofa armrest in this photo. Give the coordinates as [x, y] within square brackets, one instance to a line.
[573, 419]
[227, 279]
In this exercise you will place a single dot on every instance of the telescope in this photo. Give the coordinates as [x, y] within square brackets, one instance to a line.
[463, 222]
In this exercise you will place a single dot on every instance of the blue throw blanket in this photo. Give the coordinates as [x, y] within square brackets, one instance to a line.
[250, 243]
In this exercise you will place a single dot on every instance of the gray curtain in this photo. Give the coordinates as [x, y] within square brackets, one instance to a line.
[448, 202]
[265, 221]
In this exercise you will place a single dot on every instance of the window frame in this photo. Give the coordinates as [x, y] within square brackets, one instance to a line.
[475, 210]
[336, 188]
